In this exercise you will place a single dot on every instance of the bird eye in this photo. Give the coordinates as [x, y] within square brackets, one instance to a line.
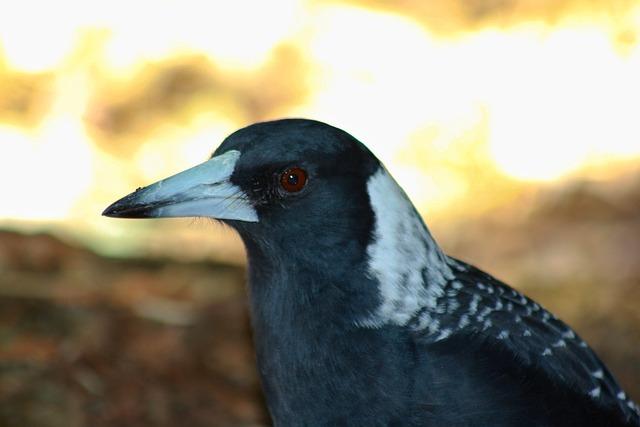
[293, 179]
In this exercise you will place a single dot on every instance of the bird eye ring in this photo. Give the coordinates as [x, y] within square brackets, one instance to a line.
[293, 179]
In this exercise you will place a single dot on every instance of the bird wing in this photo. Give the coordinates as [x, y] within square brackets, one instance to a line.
[488, 317]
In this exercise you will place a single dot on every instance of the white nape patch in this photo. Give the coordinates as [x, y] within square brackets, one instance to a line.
[595, 393]
[408, 265]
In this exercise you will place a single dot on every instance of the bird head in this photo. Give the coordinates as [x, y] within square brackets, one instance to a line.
[293, 186]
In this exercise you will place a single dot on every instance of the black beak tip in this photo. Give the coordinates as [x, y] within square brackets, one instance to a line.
[116, 210]
[110, 211]
[127, 208]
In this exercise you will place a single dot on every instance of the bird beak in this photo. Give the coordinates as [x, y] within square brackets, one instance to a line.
[204, 190]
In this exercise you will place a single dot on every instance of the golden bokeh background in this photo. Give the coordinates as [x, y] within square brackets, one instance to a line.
[513, 125]
[456, 97]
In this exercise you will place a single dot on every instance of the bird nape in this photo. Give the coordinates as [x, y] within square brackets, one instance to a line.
[359, 318]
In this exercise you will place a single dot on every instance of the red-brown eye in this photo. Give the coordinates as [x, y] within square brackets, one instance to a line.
[293, 180]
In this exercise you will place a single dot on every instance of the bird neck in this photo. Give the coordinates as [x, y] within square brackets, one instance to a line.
[406, 262]
[315, 362]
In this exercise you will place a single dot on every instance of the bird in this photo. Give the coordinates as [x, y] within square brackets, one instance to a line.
[359, 318]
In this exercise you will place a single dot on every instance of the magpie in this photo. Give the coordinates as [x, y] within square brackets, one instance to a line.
[358, 317]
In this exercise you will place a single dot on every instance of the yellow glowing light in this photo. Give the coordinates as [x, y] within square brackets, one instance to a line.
[382, 78]
[558, 100]
[174, 149]
[555, 98]
[235, 34]
[44, 172]
[32, 39]
[544, 100]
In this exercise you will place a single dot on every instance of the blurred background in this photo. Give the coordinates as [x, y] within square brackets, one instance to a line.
[513, 125]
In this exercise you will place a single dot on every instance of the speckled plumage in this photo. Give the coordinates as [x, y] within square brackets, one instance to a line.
[361, 320]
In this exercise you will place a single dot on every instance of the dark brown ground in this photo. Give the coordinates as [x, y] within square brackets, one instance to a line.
[92, 341]
[89, 341]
